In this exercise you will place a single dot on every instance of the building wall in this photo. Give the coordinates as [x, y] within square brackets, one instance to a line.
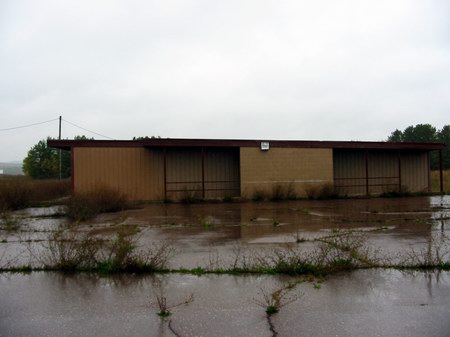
[415, 171]
[383, 171]
[288, 168]
[137, 172]
[189, 171]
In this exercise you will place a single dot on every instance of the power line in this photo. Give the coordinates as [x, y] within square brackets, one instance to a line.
[28, 125]
[80, 127]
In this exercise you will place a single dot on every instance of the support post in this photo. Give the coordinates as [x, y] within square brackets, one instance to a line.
[60, 154]
[399, 171]
[429, 171]
[441, 177]
[366, 159]
[72, 166]
[165, 172]
[203, 172]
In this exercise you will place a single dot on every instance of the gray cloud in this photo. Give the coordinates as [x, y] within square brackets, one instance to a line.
[347, 70]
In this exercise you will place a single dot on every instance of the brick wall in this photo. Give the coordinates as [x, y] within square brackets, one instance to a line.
[290, 168]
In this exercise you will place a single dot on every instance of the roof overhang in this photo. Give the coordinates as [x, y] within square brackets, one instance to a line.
[178, 142]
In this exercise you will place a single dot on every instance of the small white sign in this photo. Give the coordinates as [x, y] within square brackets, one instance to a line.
[1, 171]
[265, 146]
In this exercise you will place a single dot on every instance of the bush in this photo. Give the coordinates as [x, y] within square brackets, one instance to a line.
[283, 192]
[258, 195]
[69, 253]
[14, 194]
[21, 192]
[83, 206]
[321, 192]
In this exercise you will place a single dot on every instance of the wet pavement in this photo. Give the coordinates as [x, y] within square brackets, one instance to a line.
[377, 302]
[362, 303]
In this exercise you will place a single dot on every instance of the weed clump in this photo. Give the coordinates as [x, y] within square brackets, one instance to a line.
[68, 252]
[121, 255]
[21, 192]
[436, 253]
[282, 192]
[9, 222]
[258, 195]
[321, 192]
[72, 251]
[84, 206]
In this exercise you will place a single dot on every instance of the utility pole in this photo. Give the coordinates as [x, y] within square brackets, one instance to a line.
[60, 160]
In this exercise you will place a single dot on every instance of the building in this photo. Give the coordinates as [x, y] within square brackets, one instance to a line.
[161, 169]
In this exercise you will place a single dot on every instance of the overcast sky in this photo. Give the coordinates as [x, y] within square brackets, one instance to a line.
[319, 70]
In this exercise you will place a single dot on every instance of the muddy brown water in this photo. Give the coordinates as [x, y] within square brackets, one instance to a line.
[379, 302]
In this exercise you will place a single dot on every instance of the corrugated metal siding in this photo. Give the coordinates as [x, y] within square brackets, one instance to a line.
[349, 172]
[137, 172]
[415, 168]
[383, 171]
[185, 173]
[222, 176]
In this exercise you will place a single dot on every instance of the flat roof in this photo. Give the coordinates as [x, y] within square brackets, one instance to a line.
[236, 143]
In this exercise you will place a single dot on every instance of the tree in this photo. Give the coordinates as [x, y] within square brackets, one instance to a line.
[420, 133]
[443, 136]
[396, 136]
[42, 162]
[426, 133]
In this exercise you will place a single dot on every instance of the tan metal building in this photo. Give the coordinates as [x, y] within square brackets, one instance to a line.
[159, 169]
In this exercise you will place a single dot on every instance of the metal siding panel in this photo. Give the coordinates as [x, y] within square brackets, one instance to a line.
[184, 173]
[122, 169]
[415, 171]
[383, 172]
[349, 169]
[221, 173]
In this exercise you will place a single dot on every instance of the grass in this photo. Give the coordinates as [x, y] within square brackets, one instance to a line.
[84, 206]
[9, 222]
[164, 308]
[435, 180]
[273, 301]
[73, 252]
[21, 192]
[282, 192]
[342, 251]
[321, 192]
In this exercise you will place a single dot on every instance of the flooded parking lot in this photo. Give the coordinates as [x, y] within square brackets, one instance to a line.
[370, 302]
[362, 303]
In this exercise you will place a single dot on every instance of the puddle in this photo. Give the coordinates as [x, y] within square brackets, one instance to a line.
[363, 303]
[393, 225]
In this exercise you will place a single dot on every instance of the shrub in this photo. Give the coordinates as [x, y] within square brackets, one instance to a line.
[9, 222]
[321, 192]
[83, 206]
[68, 252]
[283, 192]
[121, 255]
[190, 196]
[15, 193]
[21, 192]
[258, 195]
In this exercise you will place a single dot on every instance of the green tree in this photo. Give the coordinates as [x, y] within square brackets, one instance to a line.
[42, 162]
[426, 133]
[443, 136]
[396, 136]
[420, 133]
